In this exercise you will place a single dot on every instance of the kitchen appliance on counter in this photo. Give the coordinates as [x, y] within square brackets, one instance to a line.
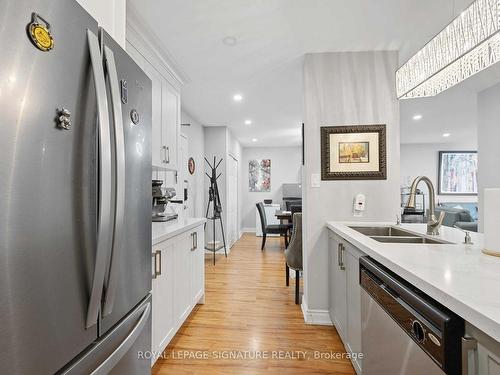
[75, 265]
[161, 198]
[403, 330]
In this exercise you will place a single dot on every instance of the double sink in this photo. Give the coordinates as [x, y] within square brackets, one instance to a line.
[395, 235]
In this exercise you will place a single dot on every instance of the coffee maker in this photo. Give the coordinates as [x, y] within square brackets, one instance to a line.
[161, 198]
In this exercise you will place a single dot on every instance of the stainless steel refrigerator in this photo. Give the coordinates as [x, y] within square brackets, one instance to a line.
[75, 195]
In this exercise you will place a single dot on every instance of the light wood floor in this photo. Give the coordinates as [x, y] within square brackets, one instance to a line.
[248, 310]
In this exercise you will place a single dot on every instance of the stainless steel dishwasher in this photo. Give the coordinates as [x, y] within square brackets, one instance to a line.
[403, 330]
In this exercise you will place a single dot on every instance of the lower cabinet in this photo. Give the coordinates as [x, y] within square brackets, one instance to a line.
[178, 284]
[345, 294]
[483, 356]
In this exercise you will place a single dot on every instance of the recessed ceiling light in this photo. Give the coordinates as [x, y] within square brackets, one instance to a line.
[254, 139]
[446, 135]
[248, 122]
[230, 41]
[417, 117]
[238, 97]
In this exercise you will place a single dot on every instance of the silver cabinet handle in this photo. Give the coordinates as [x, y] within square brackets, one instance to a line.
[194, 241]
[164, 148]
[115, 357]
[342, 251]
[168, 155]
[158, 252]
[157, 263]
[468, 344]
[105, 217]
[339, 247]
[109, 298]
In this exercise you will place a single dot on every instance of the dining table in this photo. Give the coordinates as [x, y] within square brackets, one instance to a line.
[283, 215]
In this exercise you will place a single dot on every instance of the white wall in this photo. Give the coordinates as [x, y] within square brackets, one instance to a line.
[234, 148]
[423, 160]
[488, 140]
[111, 15]
[196, 149]
[345, 89]
[285, 168]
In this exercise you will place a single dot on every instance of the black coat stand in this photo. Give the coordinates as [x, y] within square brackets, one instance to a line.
[215, 203]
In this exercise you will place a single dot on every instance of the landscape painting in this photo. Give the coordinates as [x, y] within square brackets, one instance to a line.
[354, 152]
[259, 175]
[457, 173]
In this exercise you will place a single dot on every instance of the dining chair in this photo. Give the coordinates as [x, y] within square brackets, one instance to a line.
[281, 229]
[293, 254]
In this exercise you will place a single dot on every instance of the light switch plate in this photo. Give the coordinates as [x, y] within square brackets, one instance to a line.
[315, 180]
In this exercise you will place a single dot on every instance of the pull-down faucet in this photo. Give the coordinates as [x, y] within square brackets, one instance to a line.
[433, 224]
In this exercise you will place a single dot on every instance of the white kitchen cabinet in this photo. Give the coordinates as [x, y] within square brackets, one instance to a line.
[178, 284]
[163, 295]
[166, 108]
[338, 289]
[485, 359]
[345, 294]
[197, 275]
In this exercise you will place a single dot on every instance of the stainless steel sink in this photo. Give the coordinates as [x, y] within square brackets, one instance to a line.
[383, 231]
[395, 235]
[402, 239]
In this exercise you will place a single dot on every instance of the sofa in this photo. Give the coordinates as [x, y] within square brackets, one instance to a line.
[459, 217]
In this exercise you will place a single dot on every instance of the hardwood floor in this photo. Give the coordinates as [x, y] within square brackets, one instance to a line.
[249, 311]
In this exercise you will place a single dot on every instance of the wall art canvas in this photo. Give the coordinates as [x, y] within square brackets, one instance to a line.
[457, 173]
[356, 152]
[259, 175]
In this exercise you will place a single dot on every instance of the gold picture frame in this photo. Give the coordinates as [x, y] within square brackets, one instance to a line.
[353, 152]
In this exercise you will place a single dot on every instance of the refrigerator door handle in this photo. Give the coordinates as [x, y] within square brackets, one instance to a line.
[105, 219]
[119, 213]
[115, 357]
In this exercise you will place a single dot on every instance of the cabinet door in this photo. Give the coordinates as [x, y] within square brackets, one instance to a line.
[197, 266]
[182, 282]
[156, 102]
[171, 123]
[162, 313]
[338, 289]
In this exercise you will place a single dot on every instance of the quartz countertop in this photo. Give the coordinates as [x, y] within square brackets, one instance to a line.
[162, 231]
[458, 276]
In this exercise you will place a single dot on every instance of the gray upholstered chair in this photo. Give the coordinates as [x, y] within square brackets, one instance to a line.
[293, 254]
[281, 229]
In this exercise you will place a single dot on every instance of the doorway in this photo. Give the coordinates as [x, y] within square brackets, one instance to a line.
[232, 200]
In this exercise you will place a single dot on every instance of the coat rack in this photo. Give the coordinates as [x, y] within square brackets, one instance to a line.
[214, 209]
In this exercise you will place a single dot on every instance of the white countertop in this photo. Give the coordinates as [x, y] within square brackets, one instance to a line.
[458, 276]
[165, 230]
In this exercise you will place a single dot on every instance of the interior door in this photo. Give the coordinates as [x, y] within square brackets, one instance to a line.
[232, 200]
[48, 193]
[129, 271]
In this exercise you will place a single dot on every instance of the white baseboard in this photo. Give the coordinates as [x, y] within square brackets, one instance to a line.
[248, 230]
[315, 317]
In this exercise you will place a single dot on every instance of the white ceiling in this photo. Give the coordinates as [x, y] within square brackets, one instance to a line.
[265, 66]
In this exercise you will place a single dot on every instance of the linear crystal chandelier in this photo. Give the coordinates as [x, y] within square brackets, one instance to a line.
[468, 45]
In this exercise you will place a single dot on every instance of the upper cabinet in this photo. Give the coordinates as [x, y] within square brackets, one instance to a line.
[166, 101]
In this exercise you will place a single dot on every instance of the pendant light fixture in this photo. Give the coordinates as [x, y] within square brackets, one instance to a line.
[468, 45]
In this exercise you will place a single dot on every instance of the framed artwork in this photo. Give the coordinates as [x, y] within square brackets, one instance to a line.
[457, 173]
[259, 175]
[191, 166]
[356, 152]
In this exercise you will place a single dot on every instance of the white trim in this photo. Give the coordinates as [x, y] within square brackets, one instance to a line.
[315, 317]
[248, 230]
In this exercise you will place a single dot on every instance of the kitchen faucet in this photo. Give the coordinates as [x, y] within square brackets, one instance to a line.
[433, 224]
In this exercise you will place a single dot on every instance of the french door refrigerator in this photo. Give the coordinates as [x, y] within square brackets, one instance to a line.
[75, 190]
